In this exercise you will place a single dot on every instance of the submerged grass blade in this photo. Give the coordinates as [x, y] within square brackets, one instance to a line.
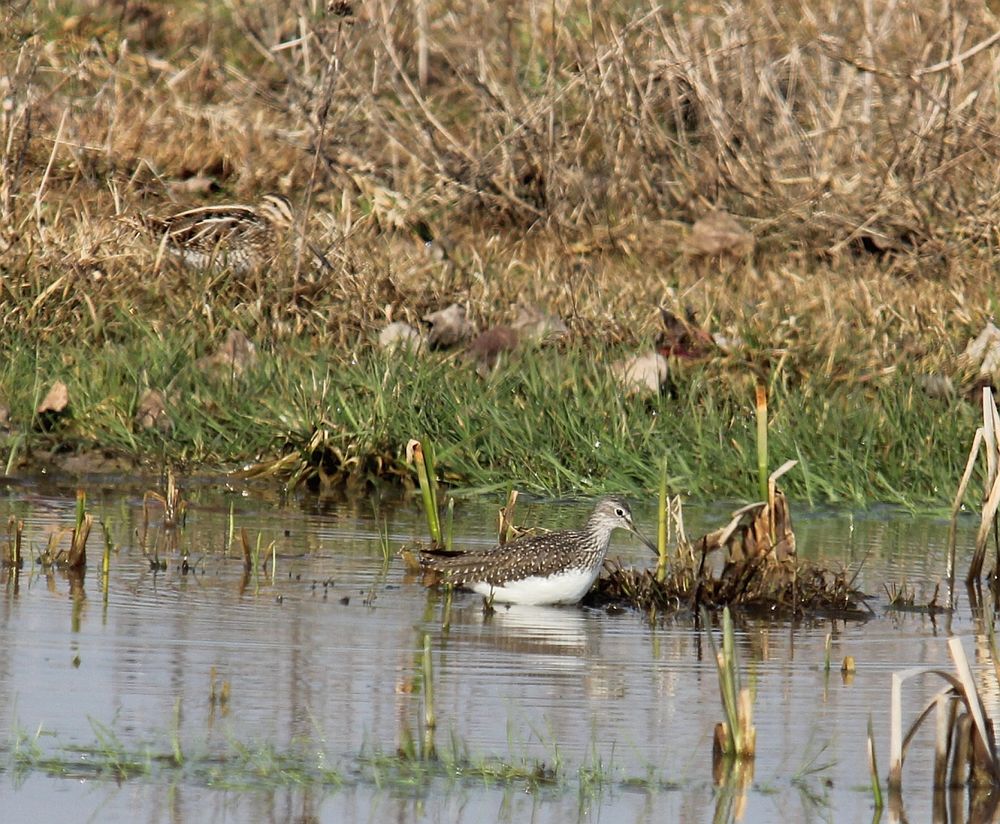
[873, 767]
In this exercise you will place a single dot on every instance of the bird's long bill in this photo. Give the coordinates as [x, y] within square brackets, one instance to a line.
[645, 540]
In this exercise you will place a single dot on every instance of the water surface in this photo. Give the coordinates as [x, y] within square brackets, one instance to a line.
[324, 656]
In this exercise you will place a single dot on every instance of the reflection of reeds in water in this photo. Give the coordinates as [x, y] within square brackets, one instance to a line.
[430, 716]
[873, 767]
[174, 508]
[74, 558]
[255, 559]
[218, 695]
[15, 540]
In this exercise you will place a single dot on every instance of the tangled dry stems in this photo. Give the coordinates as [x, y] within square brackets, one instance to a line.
[557, 162]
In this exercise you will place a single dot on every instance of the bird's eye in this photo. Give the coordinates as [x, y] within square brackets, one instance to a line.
[620, 512]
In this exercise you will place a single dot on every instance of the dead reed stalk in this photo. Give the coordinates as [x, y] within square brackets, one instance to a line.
[987, 444]
[963, 727]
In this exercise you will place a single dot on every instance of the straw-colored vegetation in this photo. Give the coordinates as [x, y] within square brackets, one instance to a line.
[750, 564]
[965, 749]
[561, 158]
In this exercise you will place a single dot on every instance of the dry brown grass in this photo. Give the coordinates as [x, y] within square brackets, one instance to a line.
[561, 162]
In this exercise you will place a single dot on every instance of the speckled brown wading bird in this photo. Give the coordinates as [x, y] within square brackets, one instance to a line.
[241, 238]
[554, 568]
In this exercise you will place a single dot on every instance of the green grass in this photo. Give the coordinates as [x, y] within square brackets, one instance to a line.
[253, 765]
[553, 422]
[256, 765]
[562, 166]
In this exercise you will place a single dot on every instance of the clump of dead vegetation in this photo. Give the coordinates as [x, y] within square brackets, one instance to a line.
[849, 145]
[749, 564]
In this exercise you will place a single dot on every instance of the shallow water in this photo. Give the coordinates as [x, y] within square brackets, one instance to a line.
[325, 657]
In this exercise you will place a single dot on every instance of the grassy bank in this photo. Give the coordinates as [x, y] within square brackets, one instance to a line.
[556, 161]
[551, 421]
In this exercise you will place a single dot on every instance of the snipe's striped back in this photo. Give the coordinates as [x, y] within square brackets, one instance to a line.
[230, 235]
[554, 568]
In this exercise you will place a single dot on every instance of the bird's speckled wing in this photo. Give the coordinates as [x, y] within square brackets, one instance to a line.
[215, 235]
[207, 226]
[533, 555]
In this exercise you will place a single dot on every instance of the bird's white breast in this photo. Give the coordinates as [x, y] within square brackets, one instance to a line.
[562, 588]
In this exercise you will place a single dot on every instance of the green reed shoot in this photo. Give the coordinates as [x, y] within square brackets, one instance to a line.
[106, 559]
[77, 558]
[424, 463]
[430, 458]
[449, 591]
[762, 441]
[255, 563]
[739, 735]
[661, 525]
[12, 455]
[383, 541]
